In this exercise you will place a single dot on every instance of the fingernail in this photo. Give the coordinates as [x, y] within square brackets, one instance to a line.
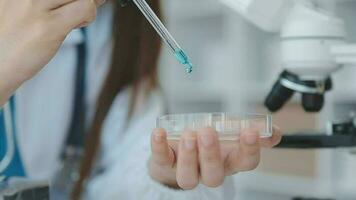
[159, 137]
[207, 139]
[189, 144]
[251, 139]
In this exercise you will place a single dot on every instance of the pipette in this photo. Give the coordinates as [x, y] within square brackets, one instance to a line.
[165, 35]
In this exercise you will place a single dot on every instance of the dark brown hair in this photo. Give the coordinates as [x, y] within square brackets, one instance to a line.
[134, 60]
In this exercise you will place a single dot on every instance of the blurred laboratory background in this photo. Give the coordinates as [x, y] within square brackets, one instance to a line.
[236, 64]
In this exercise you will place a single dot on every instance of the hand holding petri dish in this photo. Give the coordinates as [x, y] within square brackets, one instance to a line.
[228, 125]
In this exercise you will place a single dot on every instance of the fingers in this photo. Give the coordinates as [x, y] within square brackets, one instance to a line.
[198, 156]
[76, 13]
[162, 154]
[274, 140]
[53, 4]
[211, 165]
[187, 163]
[248, 155]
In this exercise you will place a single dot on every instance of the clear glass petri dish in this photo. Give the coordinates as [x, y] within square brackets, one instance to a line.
[228, 125]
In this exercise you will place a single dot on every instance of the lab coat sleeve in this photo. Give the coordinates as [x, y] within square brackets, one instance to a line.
[128, 178]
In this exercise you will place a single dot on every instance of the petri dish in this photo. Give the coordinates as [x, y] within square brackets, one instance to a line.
[228, 125]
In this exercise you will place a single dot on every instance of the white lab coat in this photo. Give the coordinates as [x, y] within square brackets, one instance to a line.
[43, 114]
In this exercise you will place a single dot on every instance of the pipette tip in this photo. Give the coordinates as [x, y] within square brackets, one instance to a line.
[184, 60]
[189, 68]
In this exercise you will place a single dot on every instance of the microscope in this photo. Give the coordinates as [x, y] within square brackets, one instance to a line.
[313, 47]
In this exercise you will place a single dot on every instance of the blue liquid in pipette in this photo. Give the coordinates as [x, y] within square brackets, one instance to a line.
[184, 60]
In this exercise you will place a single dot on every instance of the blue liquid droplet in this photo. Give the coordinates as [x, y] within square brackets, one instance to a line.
[184, 60]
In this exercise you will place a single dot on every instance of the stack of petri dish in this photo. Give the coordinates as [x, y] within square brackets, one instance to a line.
[228, 125]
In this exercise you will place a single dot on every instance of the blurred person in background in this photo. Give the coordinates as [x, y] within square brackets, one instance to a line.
[101, 81]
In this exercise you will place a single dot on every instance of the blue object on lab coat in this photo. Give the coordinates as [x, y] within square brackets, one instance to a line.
[15, 167]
